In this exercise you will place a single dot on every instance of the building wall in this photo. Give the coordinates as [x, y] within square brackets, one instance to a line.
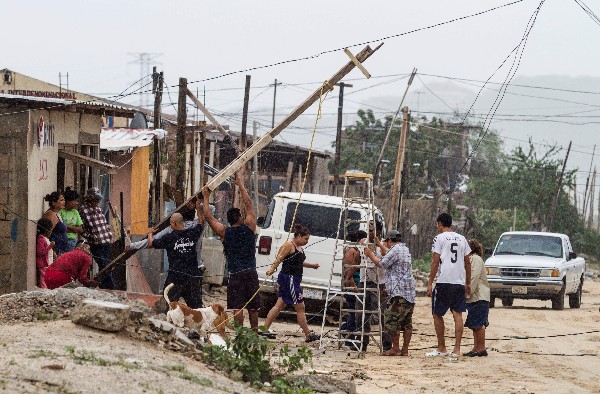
[140, 186]
[28, 171]
[121, 182]
[14, 226]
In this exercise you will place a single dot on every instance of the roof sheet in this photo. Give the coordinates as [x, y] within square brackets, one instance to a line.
[120, 139]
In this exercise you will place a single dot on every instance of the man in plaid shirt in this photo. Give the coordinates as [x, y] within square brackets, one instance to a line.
[97, 232]
[400, 286]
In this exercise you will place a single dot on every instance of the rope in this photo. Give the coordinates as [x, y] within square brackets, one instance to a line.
[322, 97]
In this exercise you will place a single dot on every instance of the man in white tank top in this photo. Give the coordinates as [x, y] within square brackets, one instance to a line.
[451, 265]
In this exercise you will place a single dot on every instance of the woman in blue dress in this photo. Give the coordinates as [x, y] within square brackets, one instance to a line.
[56, 201]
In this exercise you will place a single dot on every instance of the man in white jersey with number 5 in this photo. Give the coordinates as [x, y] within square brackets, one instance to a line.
[452, 267]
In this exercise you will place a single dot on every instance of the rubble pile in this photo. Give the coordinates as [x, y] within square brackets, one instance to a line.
[44, 304]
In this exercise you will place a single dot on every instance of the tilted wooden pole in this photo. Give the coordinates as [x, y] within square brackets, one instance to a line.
[256, 147]
[212, 119]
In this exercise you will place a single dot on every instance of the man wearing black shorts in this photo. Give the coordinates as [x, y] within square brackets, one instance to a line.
[180, 245]
[451, 265]
[239, 246]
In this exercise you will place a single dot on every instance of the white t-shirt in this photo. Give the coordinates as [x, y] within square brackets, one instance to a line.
[452, 248]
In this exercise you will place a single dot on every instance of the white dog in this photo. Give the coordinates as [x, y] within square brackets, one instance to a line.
[201, 319]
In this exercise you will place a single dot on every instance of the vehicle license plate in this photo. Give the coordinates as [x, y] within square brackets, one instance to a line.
[314, 294]
[519, 290]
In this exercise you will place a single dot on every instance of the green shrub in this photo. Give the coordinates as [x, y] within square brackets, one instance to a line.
[248, 354]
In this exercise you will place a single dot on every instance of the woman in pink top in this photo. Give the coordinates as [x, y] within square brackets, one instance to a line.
[44, 254]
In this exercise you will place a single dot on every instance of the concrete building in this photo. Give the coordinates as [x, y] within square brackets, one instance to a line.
[49, 139]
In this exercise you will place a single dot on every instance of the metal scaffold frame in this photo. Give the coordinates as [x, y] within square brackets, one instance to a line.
[340, 293]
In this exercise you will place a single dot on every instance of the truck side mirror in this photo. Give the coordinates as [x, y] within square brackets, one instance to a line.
[488, 251]
[572, 255]
[260, 221]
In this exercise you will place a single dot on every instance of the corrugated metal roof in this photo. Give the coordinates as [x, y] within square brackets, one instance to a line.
[121, 139]
[4, 96]
[76, 103]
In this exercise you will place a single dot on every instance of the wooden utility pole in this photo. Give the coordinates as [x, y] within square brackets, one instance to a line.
[387, 135]
[157, 89]
[392, 221]
[274, 100]
[243, 137]
[338, 138]
[256, 195]
[587, 182]
[259, 144]
[558, 187]
[181, 126]
[590, 220]
[212, 120]
[202, 156]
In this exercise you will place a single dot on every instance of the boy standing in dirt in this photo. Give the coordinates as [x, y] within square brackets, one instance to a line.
[452, 266]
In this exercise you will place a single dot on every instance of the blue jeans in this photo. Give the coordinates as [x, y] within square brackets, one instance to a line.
[71, 243]
[101, 254]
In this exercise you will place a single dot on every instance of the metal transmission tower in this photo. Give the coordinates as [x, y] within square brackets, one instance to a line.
[144, 59]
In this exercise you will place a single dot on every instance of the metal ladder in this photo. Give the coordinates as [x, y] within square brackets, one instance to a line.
[336, 291]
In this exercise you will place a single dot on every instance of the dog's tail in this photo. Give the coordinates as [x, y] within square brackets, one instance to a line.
[166, 293]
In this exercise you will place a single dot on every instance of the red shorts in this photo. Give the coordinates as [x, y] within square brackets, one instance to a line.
[56, 279]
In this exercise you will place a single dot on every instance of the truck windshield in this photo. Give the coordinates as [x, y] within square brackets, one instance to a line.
[530, 244]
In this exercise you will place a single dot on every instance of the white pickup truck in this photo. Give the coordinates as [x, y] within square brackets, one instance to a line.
[321, 214]
[535, 265]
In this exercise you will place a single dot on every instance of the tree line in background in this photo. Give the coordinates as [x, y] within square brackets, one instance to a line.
[488, 190]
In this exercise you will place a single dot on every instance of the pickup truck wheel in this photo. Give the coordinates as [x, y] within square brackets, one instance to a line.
[492, 302]
[507, 301]
[558, 302]
[575, 298]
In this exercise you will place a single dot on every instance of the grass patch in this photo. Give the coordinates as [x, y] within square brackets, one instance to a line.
[187, 375]
[42, 353]
[423, 263]
[12, 362]
[48, 316]
[85, 357]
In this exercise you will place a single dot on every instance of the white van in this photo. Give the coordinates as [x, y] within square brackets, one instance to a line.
[321, 215]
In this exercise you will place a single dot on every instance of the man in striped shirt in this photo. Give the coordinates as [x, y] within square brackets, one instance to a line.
[400, 286]
[97, 232]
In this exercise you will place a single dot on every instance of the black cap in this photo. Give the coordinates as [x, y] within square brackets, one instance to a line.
[393, 235]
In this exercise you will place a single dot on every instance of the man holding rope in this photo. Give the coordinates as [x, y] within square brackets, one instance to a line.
[239, 248]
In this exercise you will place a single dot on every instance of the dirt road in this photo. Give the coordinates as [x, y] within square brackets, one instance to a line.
[59, 356]
[513, 365]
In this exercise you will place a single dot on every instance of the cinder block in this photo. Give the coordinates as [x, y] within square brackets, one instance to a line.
[5, 246]
[4, 195]
[5, 228]
[4, 178]
[4, 161]
[5, 264]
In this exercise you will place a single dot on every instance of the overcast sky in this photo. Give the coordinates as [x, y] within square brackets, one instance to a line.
[98, 44]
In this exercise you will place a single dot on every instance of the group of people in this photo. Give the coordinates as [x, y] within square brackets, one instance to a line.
[460, 285]
[182, 242]
[68, 237]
